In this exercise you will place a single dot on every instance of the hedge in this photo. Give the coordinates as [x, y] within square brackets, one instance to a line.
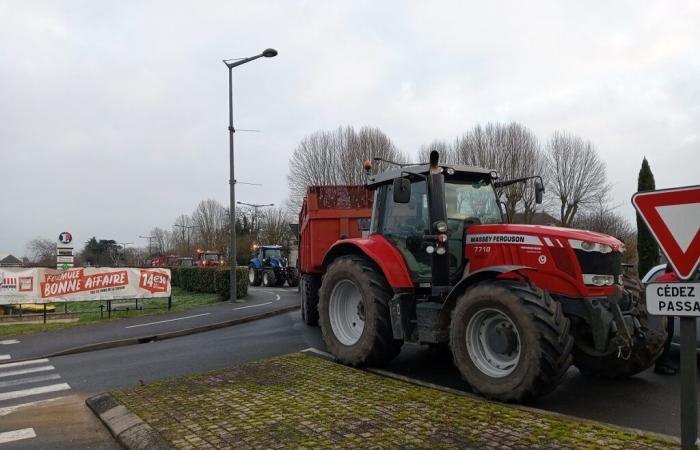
[210, 279]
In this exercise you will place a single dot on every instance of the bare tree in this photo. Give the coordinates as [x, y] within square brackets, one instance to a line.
[211, 220]
[578, 174]
[274, 227]
[335, 157]
[162, 241]
[42, 252]
[510, 149]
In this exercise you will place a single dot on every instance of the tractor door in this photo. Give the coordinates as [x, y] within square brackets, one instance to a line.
[404, 225]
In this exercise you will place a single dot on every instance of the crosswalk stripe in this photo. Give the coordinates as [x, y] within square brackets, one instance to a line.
[4, 357]
[23, 363]
[16, 435]
[12, 373]
[53, 376]
[34, 391]
[10, 409]
[9, 341]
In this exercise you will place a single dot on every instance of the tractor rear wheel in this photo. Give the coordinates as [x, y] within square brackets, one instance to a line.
[623, 363]
[293, 277]
[253, 276]
[309, 298]
[354, 313]
[509, 340]
[268, 278]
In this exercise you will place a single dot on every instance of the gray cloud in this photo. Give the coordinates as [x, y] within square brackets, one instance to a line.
[113, 114]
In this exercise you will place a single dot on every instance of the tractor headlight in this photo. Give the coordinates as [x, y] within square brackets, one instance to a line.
[441, 227]
[430, 249]
[598, 280]
[588, 246]
[440, 250]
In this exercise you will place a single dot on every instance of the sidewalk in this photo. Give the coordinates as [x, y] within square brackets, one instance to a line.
[47, 343]
[302, 401]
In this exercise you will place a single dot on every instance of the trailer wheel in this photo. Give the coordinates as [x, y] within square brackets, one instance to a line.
[268, 278]
[309, 298]
[509, 340]
[253, 276]
[623, 363]
[354, 313]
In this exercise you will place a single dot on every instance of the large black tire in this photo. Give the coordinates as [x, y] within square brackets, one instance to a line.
[253, 276]
[543, 340]
[310, 285]
[269, 279]
[376, 345]
[648, 344]
[293, 277]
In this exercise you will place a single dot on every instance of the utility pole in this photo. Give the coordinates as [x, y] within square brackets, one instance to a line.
[189, 229]
[230, 64]
[150, 238]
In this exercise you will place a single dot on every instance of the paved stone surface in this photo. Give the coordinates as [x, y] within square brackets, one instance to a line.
[301, 401]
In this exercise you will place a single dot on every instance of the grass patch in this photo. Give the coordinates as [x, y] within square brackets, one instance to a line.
[90, 311]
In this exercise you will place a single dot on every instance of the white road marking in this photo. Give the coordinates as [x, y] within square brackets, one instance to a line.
[4, 357]
[10, 409]
[23, 363]
[252, 306]
[25, 371]
[29, 380]
[16, 435]
[169, 320]
[277, 297]
[9, 341]
[34, 391]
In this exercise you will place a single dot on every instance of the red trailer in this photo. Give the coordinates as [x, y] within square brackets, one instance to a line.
[329, 213]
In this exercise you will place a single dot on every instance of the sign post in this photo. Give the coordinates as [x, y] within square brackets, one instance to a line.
[673, 217]
[64, 251]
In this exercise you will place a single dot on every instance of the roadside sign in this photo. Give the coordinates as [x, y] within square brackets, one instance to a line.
[673, 299]
[64, 259]
[673, 217]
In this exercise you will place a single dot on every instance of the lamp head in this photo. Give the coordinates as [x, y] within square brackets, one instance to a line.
[269, 52]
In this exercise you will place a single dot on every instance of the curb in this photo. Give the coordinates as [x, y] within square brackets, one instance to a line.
[544, 412]
[126, 427]
[160, 337]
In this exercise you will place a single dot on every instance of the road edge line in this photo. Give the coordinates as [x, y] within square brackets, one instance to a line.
[126, 427]
[169, 335]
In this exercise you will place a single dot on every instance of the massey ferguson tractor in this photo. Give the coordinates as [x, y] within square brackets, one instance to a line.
[422, 254]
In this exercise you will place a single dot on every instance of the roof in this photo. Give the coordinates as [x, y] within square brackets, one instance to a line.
[423, 169]
[271, 247]
[7, 259]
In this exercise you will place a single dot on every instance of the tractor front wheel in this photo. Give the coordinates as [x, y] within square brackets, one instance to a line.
[269, 279]
[354, 313]
[509, 340]
[253, 276]
[309, 298]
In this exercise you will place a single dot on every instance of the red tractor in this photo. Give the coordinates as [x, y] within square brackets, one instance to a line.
[517, 304]
[209, 258]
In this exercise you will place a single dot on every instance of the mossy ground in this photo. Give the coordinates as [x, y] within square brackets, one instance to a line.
[90, 311]
[301, 401]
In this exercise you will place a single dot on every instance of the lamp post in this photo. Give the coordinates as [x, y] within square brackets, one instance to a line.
[255, 207]
[231, 63]
[188, 228]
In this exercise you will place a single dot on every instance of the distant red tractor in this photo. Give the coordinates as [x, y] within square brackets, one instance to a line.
[208, 258]
[517, 304]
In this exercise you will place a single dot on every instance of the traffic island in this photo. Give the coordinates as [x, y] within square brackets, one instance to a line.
[303, 401]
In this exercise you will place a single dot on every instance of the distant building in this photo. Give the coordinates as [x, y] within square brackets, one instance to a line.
[7, 260]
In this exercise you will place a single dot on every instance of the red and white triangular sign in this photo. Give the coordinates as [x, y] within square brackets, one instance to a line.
[673, 216]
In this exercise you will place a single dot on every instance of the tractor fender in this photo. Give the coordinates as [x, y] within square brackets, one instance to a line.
[477, 277]
[255, 262]
[379, 250]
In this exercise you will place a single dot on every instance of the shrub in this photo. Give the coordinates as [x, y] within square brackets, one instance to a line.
[210, 279]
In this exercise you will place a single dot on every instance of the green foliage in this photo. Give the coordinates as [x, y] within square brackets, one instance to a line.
[647, 248]
[210, 279]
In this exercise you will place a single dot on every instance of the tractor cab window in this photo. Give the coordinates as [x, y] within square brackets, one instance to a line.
[405, 224]
[211, 257]
[473, 202]
[268, 252]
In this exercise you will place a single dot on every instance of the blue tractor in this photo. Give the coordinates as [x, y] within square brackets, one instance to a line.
[269, 268]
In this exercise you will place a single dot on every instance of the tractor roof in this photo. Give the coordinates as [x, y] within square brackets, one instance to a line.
[271, 247]
[423, 169]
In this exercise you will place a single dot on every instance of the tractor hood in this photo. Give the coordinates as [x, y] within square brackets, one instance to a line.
[276, 261]
[545, 234]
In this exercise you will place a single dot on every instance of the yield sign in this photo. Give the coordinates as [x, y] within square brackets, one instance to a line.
[673, 216]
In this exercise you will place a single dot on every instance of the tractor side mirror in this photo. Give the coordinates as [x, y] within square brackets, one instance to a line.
[539, 191]
[402, 190]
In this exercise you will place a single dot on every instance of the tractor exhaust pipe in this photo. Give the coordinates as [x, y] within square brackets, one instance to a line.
[434, 160]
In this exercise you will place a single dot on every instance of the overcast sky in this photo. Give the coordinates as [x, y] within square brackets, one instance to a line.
[113, 114]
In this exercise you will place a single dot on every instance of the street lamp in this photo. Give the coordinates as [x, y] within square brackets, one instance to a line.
[231, 63]
[188, 228]
[255, 207]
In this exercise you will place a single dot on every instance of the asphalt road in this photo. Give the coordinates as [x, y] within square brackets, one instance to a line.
[648, 401]
[36, 345]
